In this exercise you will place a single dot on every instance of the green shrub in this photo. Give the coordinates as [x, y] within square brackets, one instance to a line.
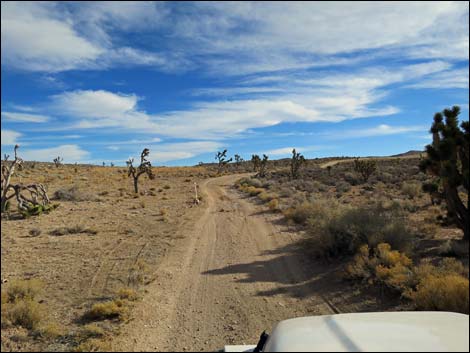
[411, 190]
[300, 213]
[336, 230]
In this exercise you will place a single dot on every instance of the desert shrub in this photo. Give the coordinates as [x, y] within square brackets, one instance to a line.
[250, 182]
[409, 206]
[73, 193]
[49, 330]
[318, 186]
[35, 232]
[446, 293]
[252, 191]
[273, 205]
[127, 294]
[26, 313]
[444, 287]
[382, 265]
[351, 178]
[23, 289]
[113, 309]
[299, 213]
[77, 229]
[138, 274]
[337, 230]
[343, 187]
[91, 331]
[37, 210]
[266, 197]
[411, 190]
[386, 178]
[94, 345]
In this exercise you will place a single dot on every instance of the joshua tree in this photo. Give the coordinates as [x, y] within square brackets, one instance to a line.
[36, 203]
[238, 160]
[111, 164]
[58, 161]
[365, 168]
[448, 159]
[221, 158]
[329, 170]
[256, 162]
[104, 164]
[432, 188]
[8, 169]
[263, 166]
[145, 167]
[296, 162]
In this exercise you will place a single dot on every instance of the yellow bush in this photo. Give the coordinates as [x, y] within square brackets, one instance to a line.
[253, 191]
[265, 196]
[26, 313]
[442, 287]
[273, 204]
[127, 293]
[107, 310]
[300, 213]
[384, 266]
[447, 293]
[94, 345]
[92, 330]
[50, 330]
[23, 289]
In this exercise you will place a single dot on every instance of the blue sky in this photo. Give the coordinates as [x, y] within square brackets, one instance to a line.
[99, 81]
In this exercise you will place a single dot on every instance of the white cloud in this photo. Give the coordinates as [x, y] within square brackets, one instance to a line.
[283, 151]
[259, 36]
[70, 154]
[23, 117]
[183, 150]
[228, 38]
[287, 151]
[94, 104]
[380, 130]
[52, 37]
[10, 137]
[447, 79]
[34, 40]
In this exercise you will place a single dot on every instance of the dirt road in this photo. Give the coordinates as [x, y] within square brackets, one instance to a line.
[232, 276]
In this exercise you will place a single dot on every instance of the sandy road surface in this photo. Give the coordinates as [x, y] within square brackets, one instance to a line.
[229, 279]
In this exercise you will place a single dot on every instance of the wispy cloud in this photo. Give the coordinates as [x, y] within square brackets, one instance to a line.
[227, 38]
[285, 151]
[70, 154]
[380, 130]
[24, 117]
[10, 137]
[182, 150]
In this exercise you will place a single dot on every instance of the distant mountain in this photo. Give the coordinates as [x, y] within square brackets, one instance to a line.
[409, 153]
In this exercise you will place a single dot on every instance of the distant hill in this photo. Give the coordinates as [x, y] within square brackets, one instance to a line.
[409, 153]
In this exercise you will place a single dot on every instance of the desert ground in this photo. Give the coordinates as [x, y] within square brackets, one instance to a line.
[171, 274]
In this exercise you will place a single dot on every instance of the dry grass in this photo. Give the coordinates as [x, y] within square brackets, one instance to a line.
[73, 193]
[127, 294]
[77, 229]
[113, 309]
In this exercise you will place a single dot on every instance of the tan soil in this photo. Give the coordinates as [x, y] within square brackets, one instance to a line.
[233, 276]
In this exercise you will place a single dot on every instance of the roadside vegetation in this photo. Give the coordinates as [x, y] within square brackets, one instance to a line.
[398, 224]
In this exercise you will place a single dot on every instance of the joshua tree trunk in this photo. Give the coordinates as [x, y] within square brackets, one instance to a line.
[136, 184]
